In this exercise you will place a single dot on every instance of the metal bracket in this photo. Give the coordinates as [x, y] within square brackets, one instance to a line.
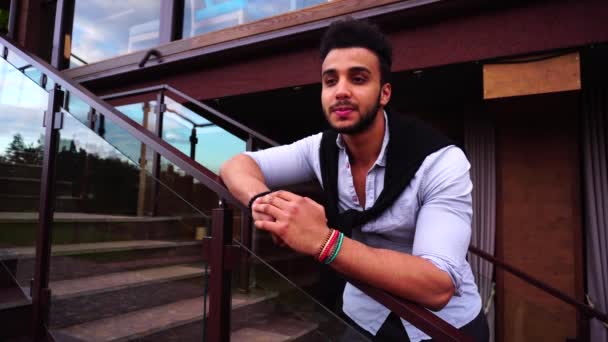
[57, 120]
[231, 254]
[150, 53]
[161, 109]
[43, 80]
[91, 116]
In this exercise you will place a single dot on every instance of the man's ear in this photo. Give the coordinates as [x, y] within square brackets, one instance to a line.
[385, 94]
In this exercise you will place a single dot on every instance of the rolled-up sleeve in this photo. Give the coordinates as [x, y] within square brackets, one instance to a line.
[443, 228]
[288, 164]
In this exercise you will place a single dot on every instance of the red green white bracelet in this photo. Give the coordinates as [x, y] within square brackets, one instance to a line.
[332, 246]
[336, 250]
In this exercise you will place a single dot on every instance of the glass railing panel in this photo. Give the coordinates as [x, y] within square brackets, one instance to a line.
[17, 61]
[28, 70]
[22, 104]
[133, 25]
[122, 141]
[142, 111]
[276, 308]
[189, 131]
[126, 257]
[203, 16]
[184, 127]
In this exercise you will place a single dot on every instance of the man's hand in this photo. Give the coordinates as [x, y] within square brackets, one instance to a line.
[260, 216]
[298, 221]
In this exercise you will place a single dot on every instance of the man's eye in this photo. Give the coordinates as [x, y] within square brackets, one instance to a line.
[359, 79]
[330, 81]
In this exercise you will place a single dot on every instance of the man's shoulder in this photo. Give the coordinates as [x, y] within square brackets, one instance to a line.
[448, 157]
[445, 166]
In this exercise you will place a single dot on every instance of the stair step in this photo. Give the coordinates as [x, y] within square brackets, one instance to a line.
[144, 322]
[88, 248]
[68, 217]
[30, 180]
[298, 329]
[23, 170]
[12, 297]
[64, 289]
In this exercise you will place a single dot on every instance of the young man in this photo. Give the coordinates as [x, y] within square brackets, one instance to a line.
[399, 191]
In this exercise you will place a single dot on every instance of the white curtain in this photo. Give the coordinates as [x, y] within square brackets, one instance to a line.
[480, 148]
[595, 161]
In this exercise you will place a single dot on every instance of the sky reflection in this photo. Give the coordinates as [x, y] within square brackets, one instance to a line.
[22, 103]
[104, 29]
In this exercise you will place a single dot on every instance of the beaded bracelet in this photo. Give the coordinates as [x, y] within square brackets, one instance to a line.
[328, 245]
[334, 254]
[324, 245]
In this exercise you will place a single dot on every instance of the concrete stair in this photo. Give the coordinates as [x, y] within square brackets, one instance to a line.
[160, 320]
[70, 288]
[97, 247]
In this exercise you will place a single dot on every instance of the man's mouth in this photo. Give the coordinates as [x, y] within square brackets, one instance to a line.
[343, 111]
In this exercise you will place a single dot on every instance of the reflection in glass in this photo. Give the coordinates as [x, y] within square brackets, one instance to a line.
[22, 104]
[184, 129]
[294, 314]
[189, 132]
[104, 29]
[203, 16]
[133, 254]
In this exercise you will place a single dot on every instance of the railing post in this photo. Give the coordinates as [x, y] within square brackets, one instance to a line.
[218, 327]
[245, 258]
[160, 109]
[41, 294]
[12, 19]
[193, 142]
[62, 37]
[246, 237]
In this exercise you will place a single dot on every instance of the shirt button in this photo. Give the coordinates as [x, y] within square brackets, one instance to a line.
[355, 198]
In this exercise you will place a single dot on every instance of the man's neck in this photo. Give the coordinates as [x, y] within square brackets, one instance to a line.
[365, 147]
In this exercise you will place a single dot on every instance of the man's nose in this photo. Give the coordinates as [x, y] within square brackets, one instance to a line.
[343, 90]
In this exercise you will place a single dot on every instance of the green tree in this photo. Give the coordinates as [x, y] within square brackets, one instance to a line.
[18, 152]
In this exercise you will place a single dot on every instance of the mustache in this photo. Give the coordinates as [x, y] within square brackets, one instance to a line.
[343, 103]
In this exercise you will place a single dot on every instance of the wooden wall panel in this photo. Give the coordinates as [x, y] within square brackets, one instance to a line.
[538, 213]
[550, 75]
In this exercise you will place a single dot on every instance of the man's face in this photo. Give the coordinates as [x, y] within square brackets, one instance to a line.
[352, 94]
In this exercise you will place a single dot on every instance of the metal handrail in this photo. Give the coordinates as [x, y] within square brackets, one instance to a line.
[431, 324]
[217, 114]
[586, 309]
[199, 172]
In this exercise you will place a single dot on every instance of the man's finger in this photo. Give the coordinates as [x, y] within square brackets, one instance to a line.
[261, 216]
[269, 210]
[278, 202]
[272, 227]
[286, 195]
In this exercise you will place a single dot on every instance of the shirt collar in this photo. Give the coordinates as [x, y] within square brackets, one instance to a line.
[381, 161]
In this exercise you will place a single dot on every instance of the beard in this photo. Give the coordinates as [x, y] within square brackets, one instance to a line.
[364, 123]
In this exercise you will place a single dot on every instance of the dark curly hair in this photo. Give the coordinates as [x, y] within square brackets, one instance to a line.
[349, 32]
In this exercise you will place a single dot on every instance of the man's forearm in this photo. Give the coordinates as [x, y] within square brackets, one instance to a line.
[243, 177]
[404, 275]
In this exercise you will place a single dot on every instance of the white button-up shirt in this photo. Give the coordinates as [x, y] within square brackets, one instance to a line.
[431, 219]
